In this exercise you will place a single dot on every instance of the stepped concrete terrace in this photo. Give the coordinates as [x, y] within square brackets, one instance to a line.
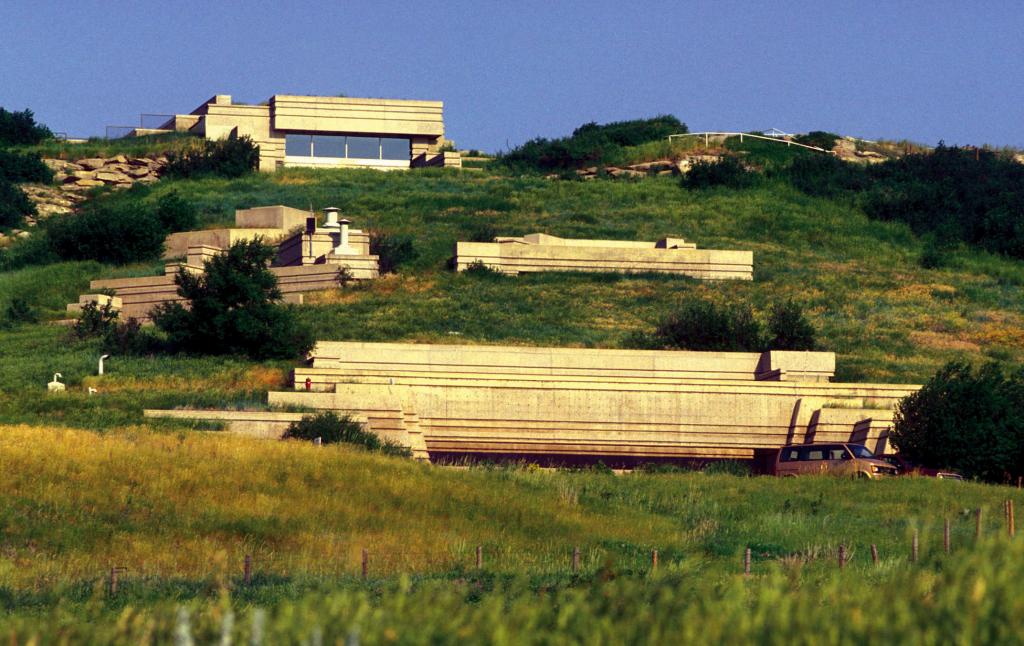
[542, 252]
[592, 404]
[308, 258]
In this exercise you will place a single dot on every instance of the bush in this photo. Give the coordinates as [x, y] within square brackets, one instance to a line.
[392, 249]
[590, 144]
[14, 205]
[176, 214]
[34, 250]
[707, 325]
[234, 309]
[332, 429]
[936, 254]
[972, 421]
[18, 312]
[129, 338]
[789, 329]
[116, 235]
[94, 321]
[728, 172]
[818, 138]
[23, 167]
[20, 128]
[230, 157]
[825, 175]
[728, 468]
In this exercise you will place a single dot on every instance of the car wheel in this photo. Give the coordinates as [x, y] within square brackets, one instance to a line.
[863, 476]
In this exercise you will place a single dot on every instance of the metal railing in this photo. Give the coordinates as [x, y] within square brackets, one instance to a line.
[707, 139]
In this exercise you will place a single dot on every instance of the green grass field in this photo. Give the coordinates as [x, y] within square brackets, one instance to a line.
[87, 484]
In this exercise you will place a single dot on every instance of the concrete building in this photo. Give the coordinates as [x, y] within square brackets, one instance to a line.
[322, 131]
[619, 406]
[542, 252]
[309, 257]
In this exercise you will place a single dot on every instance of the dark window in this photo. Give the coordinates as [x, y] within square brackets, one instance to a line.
[861, 451]
[837, 453]
[394, 148]
[328, 146]
[812, 453]
[297, 145]
[364, 147]
[789, 455]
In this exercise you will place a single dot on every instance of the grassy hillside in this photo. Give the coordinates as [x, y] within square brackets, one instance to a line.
[181, 510]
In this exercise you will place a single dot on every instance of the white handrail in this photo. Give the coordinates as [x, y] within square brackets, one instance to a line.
[708, 135]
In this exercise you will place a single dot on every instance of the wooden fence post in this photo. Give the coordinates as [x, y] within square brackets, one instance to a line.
[247, 570]
[842, 556]
[1009, 519]
[575, 559]
[874, 554]
[479, 557]
[366, 564]
[945, 535]
[746, 562]
[113, 581]
[977, 525]
[914, 548]
[654, 560]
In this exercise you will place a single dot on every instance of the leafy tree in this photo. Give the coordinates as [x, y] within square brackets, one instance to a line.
[234, 309]
[972, 421]
[392, 250]
[20, 128]
[23, 167]
[332, 429]
[818, 138]
[789, 329]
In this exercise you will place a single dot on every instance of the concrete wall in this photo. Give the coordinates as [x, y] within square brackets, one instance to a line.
[538, 252]
[272, 223]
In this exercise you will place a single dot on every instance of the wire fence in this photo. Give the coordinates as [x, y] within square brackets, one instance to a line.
[708, 135]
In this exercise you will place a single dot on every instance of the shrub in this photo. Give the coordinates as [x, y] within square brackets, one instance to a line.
[230, 157]
[14, 205]
[20, 128]
[728, 468]
[818, 138]
[234, 309]
[728, 172]
[392, 250]
[117, 235]
[332, 429]
[972, 421]
[480, 270]
[707, 325]
[789, 329]
[23, 167]
[590, 144]
[129, 338]
[94, 321]
[825, 175]
[17, 312]
[176, 214]
[937, 253]
[34, 250]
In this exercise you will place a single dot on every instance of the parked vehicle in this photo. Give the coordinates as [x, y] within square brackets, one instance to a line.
[905, 467]
[839, 459]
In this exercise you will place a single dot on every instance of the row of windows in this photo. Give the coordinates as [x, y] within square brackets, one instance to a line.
[340, 146]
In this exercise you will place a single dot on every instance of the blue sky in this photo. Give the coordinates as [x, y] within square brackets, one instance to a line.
[509, 71]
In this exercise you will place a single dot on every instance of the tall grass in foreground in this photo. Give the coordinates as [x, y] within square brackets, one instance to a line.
[973, 599]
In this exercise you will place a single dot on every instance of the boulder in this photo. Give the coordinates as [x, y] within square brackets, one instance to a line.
[83, 174]
[118, 159]
[112, 177]
[92, 163]
[22, 234]
[138, 172]
[55, 164]
[87, 183]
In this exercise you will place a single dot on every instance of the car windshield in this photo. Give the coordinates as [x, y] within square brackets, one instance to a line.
[860, 451]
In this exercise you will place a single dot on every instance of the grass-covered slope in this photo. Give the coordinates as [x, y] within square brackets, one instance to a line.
[181, 510]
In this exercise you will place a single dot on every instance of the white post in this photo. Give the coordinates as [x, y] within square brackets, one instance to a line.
[99, 369]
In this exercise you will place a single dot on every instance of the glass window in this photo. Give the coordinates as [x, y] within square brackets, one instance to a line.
[861, 451]
[812, 454]
[364, 147]
[789, 455]
[328, 146]
[837, 453]
[297, 145]
[394, 148]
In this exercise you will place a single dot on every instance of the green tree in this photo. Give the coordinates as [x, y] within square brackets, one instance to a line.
[235, 309]
[702, 324]
[964, 419]
[789, 329]
[20, 128]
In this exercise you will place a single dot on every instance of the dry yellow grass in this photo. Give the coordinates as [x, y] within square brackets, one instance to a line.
[193, 504]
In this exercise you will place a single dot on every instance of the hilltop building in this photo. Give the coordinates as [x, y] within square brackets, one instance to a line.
[321, 131]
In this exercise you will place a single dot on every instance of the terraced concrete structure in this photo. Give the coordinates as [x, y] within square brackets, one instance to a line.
[325, 131]
[595, 404]
[309, 258]
[542, 252]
